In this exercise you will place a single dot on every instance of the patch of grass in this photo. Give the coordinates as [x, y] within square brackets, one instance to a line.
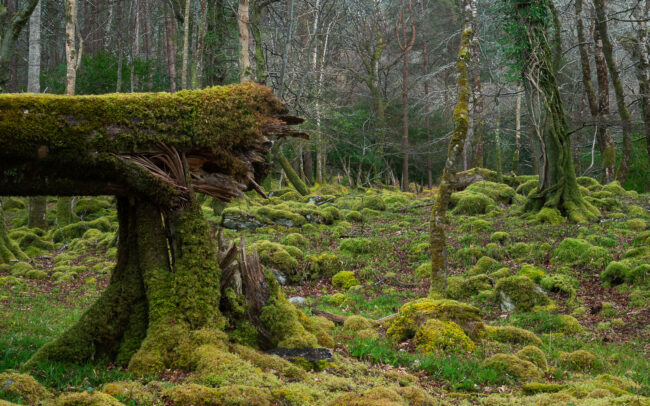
[459, 372]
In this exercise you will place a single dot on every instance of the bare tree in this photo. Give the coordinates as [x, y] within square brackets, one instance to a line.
[405, 44]
[12, 25]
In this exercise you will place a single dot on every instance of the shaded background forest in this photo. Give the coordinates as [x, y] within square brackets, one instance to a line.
[361, 72]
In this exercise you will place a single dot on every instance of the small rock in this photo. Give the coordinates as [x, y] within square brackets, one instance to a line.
[298, 300]
[309, 354]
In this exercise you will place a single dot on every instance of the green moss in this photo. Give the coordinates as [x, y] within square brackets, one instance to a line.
[527, 187]
[636, 224]
[88, 398]
[614, 188]
[23, 387]
[413, 314]
[459, 288]
[533, 272]
[344, 280]
[485, 264]
[615, 273]
[78, 229]
[357, 245]
[358, 323]
[519, 250]
[639, 276]
[437, 336]
[129, 390]
[20, 268]
[471, 203]
[550, 216]
[514, 335]
[12, 281]
[560, 283]
[499, 192]
[535, 355]
[580, 360]
[278, 256]
[374, 203]
[589, 183]
[573, 251]
[520, 370]
[353, 215]
[36, 274]
[325, 264]
[281, 216]
[519, 293]
[499, 236]
[536, 387]
[634, 210]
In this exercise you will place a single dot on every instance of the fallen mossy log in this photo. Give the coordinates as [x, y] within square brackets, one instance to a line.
[172, 291]
[90, 145]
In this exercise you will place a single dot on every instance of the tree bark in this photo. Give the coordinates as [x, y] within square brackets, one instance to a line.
[405, 45]
[623, 112]
[12, 25]
[186, 44]
[170, 36]
[478, 122]
[515, 158]
[244, 40]
[605, 141]
[72, 54]
[438, 238]
[293, 177]
[34, 69]
[9, 250]
[197, 73]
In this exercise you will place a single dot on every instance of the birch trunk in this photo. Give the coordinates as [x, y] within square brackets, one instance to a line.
[186, 44]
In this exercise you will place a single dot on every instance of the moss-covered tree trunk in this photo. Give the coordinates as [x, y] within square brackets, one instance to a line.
[292, 175]
[438, 238]
[558, 186]
[9, 250]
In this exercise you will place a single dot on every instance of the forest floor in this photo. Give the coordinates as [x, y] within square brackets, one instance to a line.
[537, 311]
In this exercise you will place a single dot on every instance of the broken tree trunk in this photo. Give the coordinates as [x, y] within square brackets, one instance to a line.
[154, 151]
[90, 145]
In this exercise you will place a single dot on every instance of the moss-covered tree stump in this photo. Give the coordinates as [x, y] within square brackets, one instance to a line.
[154, 151]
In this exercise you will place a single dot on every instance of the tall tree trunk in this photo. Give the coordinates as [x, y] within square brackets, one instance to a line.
[170, 35]
[287, 47]
[517, 154]
[244, 40]
[478, 122]
[11, 25]
[427, 111]
[148, 42]
[197, 72]
[186, 44]
[37, 204]
[605, 141]
[72, 52]
[643, 67]
[260, 60]
[135, 44]
[405, 45]
[292, 176]
[438, 238]
[497, 138]
[623, 112]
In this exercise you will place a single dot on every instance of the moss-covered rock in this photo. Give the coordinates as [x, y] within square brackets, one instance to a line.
[20, 268]
[499, 192]
[639, 275]
[580, 360]
[549, 215]
[499, 236]
[560, 283]
[413, 314]
[525, 188]
[437, 336]
[358, 323]
[295, 240]
[484, 264]
[513, 335]
[519, 293]
[14, 386]
[374, 203]
[325, 264]
[471, 203]
[132, 391]
[535, 355]
[357, 245]
[345, 280]
[615, 273]
[281, 215]
[614, 188]
[78, 229]
[460, 288]
[519, 369]
[88, 398]
[36, 274]
[533, 272]
[283, 258]
[574, 251]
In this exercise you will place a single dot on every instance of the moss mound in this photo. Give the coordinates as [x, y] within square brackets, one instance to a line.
[517, 368]
[437, 336]
[345, 280]
[499, 192]
[514, 335]
[535, 355]
[519, 293]
[575, 251]
[414, 314]
[471, 203]
[325, 264]
[22, 387]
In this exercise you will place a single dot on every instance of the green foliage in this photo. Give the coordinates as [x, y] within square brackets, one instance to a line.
[344, 280]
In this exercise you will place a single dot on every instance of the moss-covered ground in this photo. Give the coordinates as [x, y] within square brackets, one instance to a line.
[538, 310]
